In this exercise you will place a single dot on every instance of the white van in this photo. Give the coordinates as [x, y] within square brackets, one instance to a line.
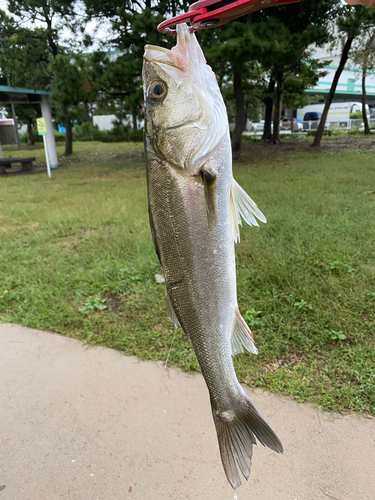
[338, 114]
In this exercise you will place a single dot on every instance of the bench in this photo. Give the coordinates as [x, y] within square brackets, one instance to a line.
[25, 161]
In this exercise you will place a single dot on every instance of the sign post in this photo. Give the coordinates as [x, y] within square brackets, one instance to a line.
[42, 130]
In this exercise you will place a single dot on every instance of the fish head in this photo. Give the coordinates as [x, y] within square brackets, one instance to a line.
[185, 115]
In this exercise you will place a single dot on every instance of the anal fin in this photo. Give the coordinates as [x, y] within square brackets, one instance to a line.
[241, 336]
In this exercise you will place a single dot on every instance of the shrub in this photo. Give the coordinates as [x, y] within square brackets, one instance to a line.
[37, 138]
[59, 137]
[87, 132]
[124, 136]
[312, 133]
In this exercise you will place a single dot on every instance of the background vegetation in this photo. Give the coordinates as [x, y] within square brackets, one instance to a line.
[263, 58]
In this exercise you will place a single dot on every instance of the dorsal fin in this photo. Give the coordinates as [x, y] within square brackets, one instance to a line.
[241, 336]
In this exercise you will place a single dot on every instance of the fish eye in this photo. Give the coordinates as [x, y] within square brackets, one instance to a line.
[157, 91]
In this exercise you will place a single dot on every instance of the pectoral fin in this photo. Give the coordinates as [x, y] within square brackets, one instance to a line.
[241, 336]
[209, 182]
[241, 205]
[153, 234]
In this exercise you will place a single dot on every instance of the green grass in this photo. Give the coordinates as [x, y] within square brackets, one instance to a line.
[76, 257]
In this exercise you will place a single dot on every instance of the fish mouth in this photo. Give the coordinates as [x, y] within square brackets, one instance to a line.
[153, 53]
[162, 56]
[169, 61]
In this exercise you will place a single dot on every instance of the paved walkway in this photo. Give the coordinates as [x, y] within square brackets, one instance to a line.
[88, 423]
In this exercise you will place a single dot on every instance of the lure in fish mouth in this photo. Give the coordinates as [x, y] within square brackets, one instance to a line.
[195, 209]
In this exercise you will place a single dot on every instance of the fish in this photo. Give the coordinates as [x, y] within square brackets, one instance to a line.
[195, 210]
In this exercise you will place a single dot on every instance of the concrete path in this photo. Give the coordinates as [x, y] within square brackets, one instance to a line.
[88, 423]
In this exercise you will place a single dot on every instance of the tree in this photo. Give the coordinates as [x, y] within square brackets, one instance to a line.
[73, 87]
[25, 57]
[285, 36]
[295, 84]
[350, 25]
[363, 56]
[269, 97]
[230, 51]
[27, 114]
[54, 15]
[133, 25]
[275, 43]
[49, 19]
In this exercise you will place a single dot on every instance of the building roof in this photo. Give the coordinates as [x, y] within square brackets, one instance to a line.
[21, 90]
[19, 95]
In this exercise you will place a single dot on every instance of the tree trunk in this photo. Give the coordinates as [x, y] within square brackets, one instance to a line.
[364, 99]
[278, 107]
[174, 10]
[14, 116]
[68, 133]
[30, 137]
[240, 114]
[364, 74]
[344, 58]
[87, 112]
[68, 138]
[268, 101]
[135, 126]
[50, 34]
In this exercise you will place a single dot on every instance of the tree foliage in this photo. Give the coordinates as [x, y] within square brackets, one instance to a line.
[30, 53]
[263, 58]
[268, 55]
[350, 24]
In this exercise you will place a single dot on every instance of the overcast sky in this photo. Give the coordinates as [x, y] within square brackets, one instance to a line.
[99, 31]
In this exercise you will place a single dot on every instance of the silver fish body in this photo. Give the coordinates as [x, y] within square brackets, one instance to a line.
[195, 207]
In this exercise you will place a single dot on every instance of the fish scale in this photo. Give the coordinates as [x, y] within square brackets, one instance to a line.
[195, 207]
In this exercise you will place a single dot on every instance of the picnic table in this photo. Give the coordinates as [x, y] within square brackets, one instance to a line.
[25, 161]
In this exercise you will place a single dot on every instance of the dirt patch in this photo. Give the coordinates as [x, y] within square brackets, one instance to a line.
[262, 150]
[33, 147]
[289, 361]
[127, 156]
[113, 302]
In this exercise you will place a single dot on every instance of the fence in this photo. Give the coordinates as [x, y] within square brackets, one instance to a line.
[339, 125]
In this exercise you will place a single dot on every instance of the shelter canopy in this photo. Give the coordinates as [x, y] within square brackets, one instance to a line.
[19, 95]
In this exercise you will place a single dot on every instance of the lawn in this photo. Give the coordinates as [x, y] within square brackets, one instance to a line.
[76, 257]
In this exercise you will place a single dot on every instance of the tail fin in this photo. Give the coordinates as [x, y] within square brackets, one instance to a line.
[236, 433]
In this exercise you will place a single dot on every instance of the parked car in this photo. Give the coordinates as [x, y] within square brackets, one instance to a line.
[259, 127]
[286, 123]
[311, 120]
[249, 126]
